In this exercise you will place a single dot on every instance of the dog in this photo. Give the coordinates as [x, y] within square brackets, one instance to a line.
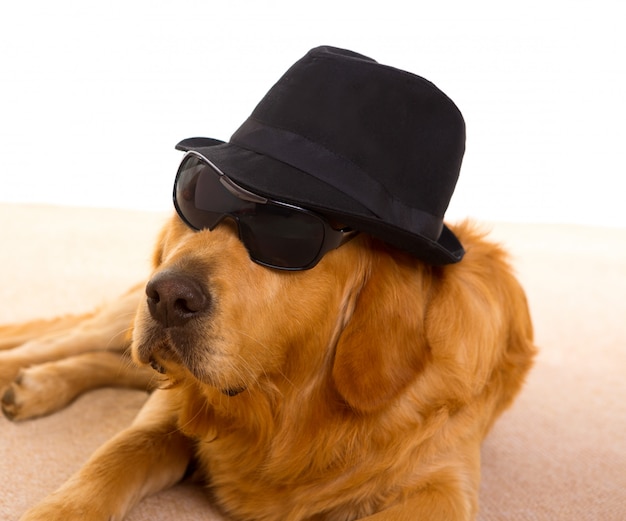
[357, 388]
[336, 393]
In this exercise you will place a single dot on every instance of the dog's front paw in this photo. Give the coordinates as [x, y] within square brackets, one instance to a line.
[35, 391]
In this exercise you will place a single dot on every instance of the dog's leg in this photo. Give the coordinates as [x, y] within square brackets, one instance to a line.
[106, 329]
[149, 456]
[46, 388]
[13, 335]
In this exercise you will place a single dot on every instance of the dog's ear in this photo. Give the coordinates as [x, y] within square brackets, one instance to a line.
[382, 348]
[478, 327]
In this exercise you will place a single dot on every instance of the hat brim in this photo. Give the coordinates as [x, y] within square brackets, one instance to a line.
[277, 180]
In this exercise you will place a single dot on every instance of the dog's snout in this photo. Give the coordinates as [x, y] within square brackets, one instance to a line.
[175, 298]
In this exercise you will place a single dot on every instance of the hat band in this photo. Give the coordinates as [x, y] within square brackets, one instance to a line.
[323, 164]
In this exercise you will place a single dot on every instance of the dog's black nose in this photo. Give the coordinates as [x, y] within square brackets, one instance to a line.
[175, 298]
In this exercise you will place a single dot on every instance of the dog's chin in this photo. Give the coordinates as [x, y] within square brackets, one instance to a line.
[177, 362]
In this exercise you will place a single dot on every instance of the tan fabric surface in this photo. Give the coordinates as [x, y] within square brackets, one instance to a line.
[558, 454]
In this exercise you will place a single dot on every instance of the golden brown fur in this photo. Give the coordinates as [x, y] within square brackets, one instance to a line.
[362, 389]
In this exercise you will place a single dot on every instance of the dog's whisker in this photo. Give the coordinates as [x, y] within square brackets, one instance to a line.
[121, 333]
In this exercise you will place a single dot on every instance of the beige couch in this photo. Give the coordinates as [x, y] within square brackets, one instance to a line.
[559, 453]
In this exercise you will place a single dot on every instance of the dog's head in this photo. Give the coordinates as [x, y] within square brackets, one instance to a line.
[366, 322]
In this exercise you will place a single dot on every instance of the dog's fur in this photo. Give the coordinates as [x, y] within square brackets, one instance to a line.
[360, 389]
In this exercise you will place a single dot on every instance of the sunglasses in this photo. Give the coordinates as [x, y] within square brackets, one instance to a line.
[276, 235]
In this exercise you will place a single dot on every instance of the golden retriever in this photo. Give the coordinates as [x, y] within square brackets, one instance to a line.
[360, 389]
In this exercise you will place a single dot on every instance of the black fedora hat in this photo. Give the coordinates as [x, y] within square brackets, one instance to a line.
[373, 146]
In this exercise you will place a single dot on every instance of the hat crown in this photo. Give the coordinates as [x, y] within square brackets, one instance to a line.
[398, 129]
[375, 147]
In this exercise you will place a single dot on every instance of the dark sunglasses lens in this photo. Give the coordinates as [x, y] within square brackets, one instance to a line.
[281, 237]
[200, 198]
[274, 235]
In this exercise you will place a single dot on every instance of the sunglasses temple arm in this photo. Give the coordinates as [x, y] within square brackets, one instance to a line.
[346, 235]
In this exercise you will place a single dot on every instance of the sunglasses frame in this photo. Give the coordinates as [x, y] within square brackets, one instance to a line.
[333, 238]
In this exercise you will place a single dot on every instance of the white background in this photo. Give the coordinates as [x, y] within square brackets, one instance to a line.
[94, 95]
